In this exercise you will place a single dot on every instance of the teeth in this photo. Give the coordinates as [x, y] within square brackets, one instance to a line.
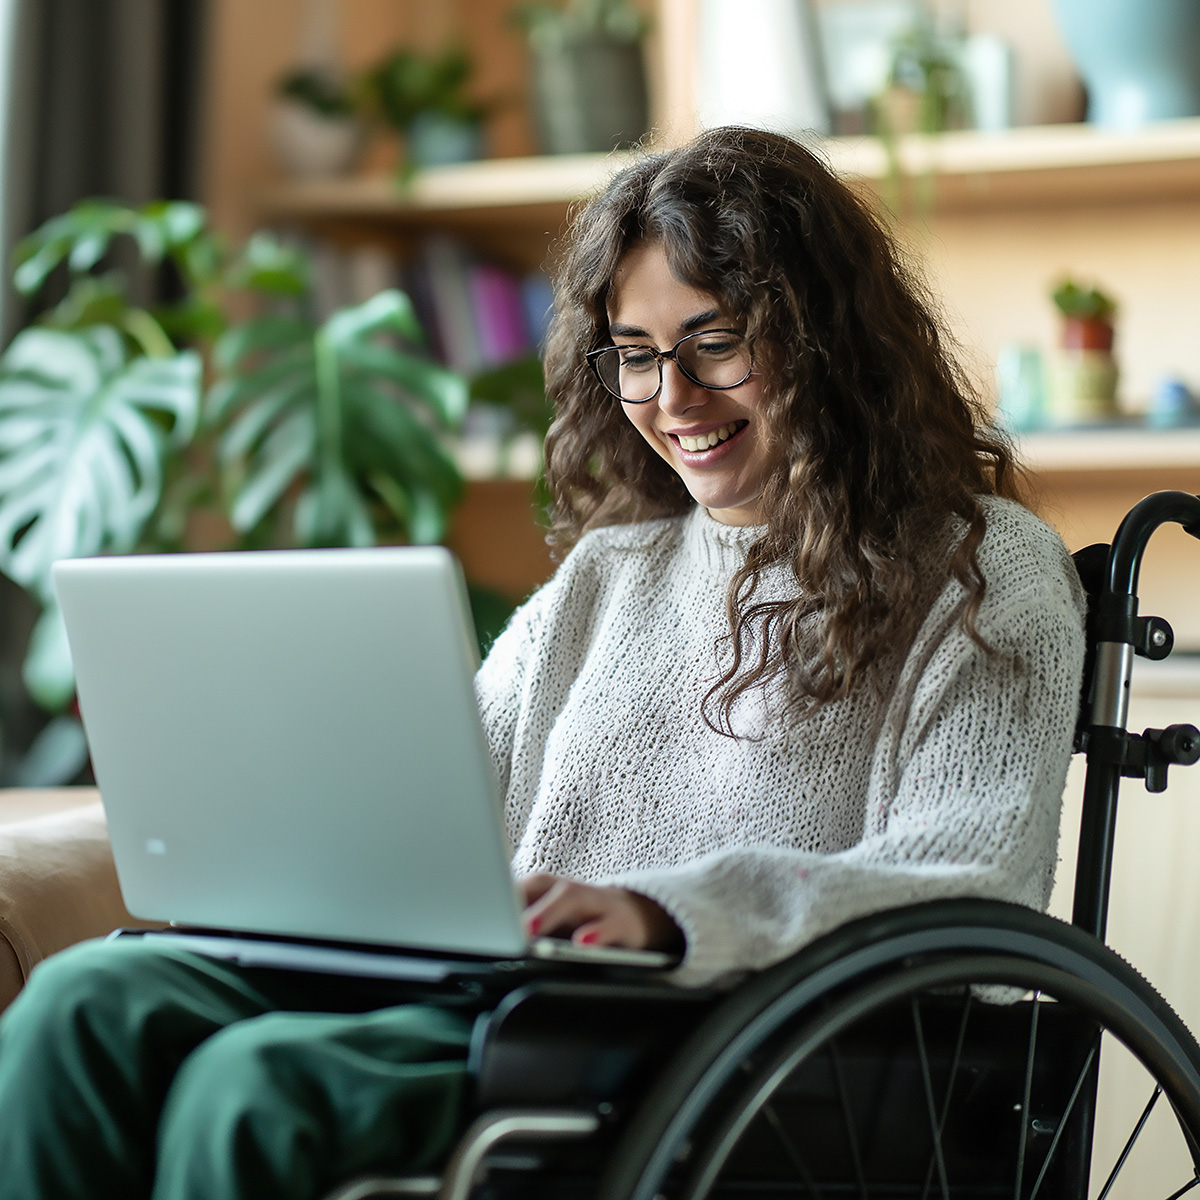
[707, 440]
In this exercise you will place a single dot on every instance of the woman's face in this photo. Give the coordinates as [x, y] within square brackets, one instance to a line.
[649, 306]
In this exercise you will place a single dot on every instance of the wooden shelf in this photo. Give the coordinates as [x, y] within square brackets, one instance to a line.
[1131, 449]
[1048, 165]
[510, 208]
[518, 203]
[514, 208]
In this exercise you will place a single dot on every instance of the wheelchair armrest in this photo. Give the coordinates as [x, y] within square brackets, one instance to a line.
[582, 1043]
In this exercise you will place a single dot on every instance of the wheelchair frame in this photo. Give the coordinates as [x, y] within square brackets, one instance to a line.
[799, 1038]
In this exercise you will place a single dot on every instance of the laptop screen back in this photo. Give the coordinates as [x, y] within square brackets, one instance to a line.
[288, 742]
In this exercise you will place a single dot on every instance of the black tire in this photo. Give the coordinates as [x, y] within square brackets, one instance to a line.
[948, 1050]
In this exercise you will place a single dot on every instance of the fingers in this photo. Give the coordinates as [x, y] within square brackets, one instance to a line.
[534, 887]
[595, 916]
[558, 907]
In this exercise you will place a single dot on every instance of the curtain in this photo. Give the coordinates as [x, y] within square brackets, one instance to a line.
[97, 98]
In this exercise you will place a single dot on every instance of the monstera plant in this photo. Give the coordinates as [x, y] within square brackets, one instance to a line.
[118, 418]
[335, 430]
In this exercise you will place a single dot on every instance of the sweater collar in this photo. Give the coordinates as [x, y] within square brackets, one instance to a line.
[716, 546]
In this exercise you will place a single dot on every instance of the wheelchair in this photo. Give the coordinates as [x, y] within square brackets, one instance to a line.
[956, 1049]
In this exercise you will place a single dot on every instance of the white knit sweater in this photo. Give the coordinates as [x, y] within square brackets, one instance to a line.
[949, 785]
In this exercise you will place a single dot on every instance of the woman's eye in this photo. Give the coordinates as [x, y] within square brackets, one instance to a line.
[637, 360]
[716, 348]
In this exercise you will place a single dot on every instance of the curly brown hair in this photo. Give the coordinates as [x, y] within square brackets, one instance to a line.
[881, 441]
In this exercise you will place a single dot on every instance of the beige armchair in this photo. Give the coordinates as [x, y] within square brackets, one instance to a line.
[57, 881]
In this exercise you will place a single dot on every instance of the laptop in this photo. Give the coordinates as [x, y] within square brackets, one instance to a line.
[291, 760]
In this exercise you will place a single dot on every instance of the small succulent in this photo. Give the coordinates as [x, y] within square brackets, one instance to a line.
[1086, 302]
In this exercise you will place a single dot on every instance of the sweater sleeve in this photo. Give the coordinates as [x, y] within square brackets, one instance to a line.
[964, 801]
[501, 681]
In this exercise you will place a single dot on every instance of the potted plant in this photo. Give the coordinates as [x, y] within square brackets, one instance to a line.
[315, 124]
[426, 99]
[1087, 316]
[307, 434]
[588, 74]
[926, 89]
[1084, 378]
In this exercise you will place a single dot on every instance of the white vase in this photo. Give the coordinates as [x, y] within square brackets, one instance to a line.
[312, 146]
[760, 65]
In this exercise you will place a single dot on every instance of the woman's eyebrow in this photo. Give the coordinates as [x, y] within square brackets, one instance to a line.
[704, 318]
[687, 325]
[626, 331]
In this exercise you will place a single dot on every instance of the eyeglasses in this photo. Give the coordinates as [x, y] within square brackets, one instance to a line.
[713, 358]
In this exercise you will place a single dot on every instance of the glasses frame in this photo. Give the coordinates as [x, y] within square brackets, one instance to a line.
[661, 356]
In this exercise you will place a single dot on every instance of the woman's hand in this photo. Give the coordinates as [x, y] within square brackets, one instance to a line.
[596, 916]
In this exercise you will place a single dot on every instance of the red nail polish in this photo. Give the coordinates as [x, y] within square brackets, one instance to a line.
[590, 938]
[535, 924]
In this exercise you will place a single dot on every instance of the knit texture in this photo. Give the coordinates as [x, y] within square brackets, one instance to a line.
[948, 782]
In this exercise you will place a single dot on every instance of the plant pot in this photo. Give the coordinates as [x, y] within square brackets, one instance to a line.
[1140, 59]
[1087, 333]
[312, 146]
[589, 95]
[437, 139]
[1083, 387]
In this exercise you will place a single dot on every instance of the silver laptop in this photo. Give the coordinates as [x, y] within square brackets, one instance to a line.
[288, 743]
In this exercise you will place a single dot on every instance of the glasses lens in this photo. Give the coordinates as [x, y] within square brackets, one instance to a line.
[630, 372]
[714, 358]
[717, 359]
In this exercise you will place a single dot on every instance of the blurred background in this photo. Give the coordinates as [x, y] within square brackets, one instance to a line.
[224, 221]
[275, 273]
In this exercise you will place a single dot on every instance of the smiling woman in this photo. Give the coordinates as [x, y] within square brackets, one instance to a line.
[805, 658]
[711, 433]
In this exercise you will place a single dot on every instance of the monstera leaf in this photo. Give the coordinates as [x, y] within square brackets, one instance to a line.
[339, 425]
[84, 435]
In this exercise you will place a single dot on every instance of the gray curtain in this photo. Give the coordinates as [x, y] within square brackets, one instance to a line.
[103, 100]
[97, 98]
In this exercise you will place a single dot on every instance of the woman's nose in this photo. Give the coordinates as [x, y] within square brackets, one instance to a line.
[678, 393]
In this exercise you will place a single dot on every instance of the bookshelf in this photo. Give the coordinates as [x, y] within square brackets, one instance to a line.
[514, 206]
[1004, 206]
[1011, 212]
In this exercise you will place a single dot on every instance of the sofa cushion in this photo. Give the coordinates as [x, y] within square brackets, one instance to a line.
[57, 881]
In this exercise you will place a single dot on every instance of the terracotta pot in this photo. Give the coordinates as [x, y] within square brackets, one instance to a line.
[1087, 333]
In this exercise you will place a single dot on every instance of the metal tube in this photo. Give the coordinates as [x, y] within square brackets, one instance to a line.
[1110, 689]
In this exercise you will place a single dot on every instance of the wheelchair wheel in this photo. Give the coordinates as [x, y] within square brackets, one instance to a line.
[957, 1050]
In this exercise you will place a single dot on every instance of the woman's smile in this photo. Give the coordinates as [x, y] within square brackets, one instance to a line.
[713, 438]
[698, 443]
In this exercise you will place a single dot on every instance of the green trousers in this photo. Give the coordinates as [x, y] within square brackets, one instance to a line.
[133, 1069]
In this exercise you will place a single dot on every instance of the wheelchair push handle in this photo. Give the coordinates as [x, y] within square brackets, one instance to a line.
[1119, 631]
[1117, 634]
[1129, 544]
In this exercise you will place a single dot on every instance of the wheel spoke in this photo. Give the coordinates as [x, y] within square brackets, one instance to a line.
[1133, 1137]
[1029, 1057]
[750, 1109]
[934, 1125]
[1187, 1187]
[1062, 1122]
[950, 1082]
[848, 1119]
[790, 1148]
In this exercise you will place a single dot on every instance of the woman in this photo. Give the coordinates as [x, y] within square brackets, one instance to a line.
[807, 657]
